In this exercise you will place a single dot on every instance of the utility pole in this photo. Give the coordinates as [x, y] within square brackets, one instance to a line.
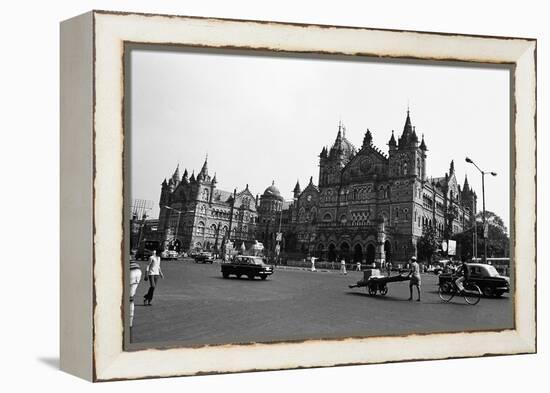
[485, 228]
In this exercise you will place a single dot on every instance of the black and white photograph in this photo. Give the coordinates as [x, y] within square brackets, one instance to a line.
[279, 197]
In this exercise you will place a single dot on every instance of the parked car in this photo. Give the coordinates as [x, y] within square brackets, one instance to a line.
[143, 254]
[247, 266]
[204, 257]
[169, 254]
[485, 277]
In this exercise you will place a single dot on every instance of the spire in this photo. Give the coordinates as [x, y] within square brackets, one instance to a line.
[423, 144]
[204, 170]
[406, 137]
[311, 180]
[367, 140]
[192, 178]
[338, 141]
[176, 175]
[408, 126]
[297, 189]
[392, 143]
[214, 180]
[164, 183]
[466, 187]
[414, 136]
[184, 178]
[452, 167]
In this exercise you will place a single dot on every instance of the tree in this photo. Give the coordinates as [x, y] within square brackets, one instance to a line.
[498, 242]
[427, 244]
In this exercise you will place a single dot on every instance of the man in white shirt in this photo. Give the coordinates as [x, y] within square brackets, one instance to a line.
[414, 275]
[152, 274]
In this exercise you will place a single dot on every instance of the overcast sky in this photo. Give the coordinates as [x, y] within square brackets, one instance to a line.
[263, 118]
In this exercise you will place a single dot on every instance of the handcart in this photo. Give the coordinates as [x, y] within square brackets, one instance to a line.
[374, 283]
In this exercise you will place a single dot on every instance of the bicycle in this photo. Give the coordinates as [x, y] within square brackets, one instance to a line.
[471, 292]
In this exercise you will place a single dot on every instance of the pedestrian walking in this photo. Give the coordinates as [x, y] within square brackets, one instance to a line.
[414, 275]
[135, 278]
[389, 266]
[152, 274]
[313, 264]
[358, 266]
[343, 266]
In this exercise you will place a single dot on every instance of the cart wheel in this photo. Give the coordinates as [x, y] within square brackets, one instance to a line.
[372, 290]
[384, 290]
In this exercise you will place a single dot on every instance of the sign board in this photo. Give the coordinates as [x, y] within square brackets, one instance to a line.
[451, 249]
[444, 246]
[485, 230]
[279, 236]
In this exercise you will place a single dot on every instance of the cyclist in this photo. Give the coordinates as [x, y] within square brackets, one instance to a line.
[463, 275]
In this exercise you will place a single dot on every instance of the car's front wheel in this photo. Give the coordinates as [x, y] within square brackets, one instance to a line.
[263, 276]
[251, 277]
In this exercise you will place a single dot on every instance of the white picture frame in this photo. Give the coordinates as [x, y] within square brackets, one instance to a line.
[92, 193]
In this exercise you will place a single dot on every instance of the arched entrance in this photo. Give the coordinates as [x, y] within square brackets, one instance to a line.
[332, 252]
[344, 250]
[357, 253]
[387, 251]
[320, 251]
[371, 252]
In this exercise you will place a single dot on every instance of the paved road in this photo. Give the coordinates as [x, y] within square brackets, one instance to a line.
[194, 305]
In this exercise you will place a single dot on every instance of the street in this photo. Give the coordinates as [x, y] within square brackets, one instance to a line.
[194, 305]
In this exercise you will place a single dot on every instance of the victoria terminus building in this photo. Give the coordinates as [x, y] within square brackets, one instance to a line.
[367, 205]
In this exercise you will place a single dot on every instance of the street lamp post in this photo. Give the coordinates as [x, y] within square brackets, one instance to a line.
[178, 224]
[485, 229]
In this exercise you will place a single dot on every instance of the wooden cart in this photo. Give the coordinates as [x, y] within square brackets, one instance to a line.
[376, 284]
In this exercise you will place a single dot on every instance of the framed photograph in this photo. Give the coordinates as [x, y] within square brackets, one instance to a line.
[247, 195]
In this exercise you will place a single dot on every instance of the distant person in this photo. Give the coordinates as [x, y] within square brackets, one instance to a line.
[358, 266]
[343, 266]
[388, 267]
[135, 278]
[313, 264]
[152, 274]
[414, 275]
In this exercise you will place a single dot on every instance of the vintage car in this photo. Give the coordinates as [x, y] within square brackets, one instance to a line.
[169, 254]
[204, 257]
[247, 266]
[485, 277]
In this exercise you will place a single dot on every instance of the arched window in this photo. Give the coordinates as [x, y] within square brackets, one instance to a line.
[405, 168]
[343, 219]
[200, 228]
[213, 230]
[327, 217]
[205, 195]
[313, 215]
[302, 215]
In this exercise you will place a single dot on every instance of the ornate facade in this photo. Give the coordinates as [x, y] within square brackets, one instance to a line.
[368, 205]
[194, 213]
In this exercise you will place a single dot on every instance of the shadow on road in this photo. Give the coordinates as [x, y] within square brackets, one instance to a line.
[377, 297]
[240, 279]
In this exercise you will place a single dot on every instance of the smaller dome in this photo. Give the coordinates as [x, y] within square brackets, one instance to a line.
[273, 192]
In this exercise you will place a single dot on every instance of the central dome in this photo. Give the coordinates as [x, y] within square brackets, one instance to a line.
[273, 192]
